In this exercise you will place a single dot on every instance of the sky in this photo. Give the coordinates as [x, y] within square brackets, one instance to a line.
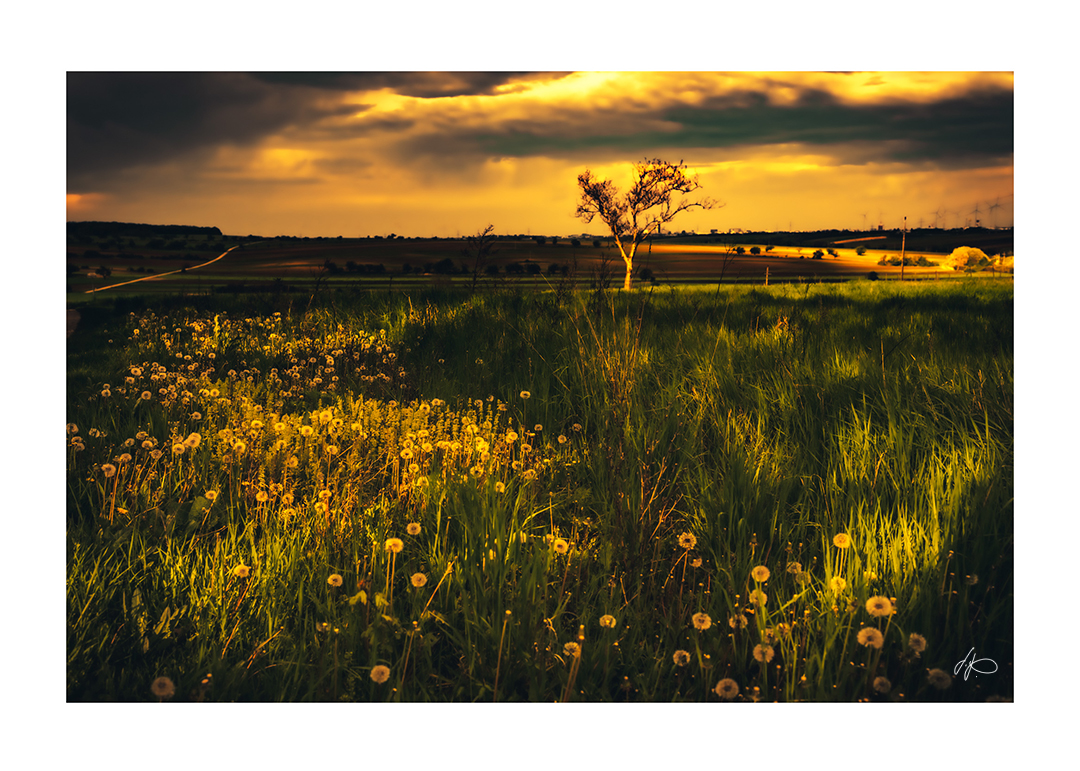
[446, 153]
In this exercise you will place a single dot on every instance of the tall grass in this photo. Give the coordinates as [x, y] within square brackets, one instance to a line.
[546, 461]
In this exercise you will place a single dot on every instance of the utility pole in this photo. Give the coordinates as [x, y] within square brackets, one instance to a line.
[903, 244]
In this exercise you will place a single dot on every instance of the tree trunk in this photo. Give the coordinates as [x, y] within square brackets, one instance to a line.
[629, 276]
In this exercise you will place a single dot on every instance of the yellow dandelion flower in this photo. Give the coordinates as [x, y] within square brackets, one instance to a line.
[239, 447]
[147, 444]
[418, 580]
[758, 597]
[500, 487]
[882, 684]
[256, 424]
[241, 571]
[702, 621]
[279, 427]
[406, 454]
[571, 649]
[262, 496]
[696, 562]
[879, 606]
[837, 584]
[413, 528]
[525, 394]
[322, 626]
[108, 470]
[681, 658]
[306, 430]
[332, 449]
[763, 653]
[324, 495]
[870, 637]
[917, 642]
[292, 462]
[163, 688]
[210, 495]
[726, 689]
[841, 540]
[687, 540]
[178, 448]
[287, 499]
[939, 678]
[607, 621]
[155, 454]
[125, 457]
[560, 545]
[334, 580]
[394, 545]
[529, 475]
[562, 439]
[511, 436]
[738, 621]
[760, 573]
[146, 396]
[794, 568]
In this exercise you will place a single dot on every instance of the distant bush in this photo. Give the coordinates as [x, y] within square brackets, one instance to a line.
[872, 276]
[818, 254]
[861, 251]
[755, 250]
[966, 257]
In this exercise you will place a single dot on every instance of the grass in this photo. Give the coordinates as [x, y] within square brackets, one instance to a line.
[545, 459]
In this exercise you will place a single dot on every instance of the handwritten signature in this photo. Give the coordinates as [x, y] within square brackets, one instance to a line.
[969, 665]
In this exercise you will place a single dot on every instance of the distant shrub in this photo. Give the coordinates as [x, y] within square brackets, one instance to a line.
[861, 251]
[872, 276]
[755, 250]
[963, 257]
[818, 254]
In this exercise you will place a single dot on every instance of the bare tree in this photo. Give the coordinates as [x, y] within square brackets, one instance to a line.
[654, 199]
[479, 248]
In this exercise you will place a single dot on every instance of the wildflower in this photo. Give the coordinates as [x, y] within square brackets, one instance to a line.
[687, 540]
[870, 637]
[72, 428]
[511, 436]
[917, 642]
[737, 621]
[241, 570]
[196, 416]
[324, 495]
[576, 426]
[178, 449]
[526, 447]
[837, 584]
[106, 393]
[538, 427]
[727, 689]
[240, 447]
[193, 441]
[525, 394]
[292, 462]
[794, 568]
[882, 684]
[394, 545]
[758, 597]
[760, 573]
[681, 658]
[939, 679]
[287, 499]
[322, 626]
[841, 540]
[210, 495]
[306, 430]
[879, 606]
[108, 469]
[561, 546]
[529, 475]
[418, 580]
[163, 688]
[147, 444]
[696, 562]
[256, 424]
[571, 649]
[125, 457]
[971, 580]
[607, 621]
[129, 442]
[279, 427]
[146, 396]
[701, 621]
[334, 580]
[155, 454]
[562, 439]
[500, 487]
[406, 454]
[763, 653]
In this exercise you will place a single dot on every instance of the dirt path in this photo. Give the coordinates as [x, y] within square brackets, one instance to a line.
[159, 275]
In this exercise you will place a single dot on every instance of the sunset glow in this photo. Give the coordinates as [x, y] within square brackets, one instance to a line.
[443, 154]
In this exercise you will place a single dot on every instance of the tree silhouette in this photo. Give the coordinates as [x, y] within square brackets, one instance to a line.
[654, 199]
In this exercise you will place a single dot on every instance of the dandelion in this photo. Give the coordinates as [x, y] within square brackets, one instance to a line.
[178, 448]
[511, 437]
[696, 562]
[760, 573]
[256, 424]
[882, 684]
[525, 394]
[529, 475]
[334, 580]
[607, 621]
[125, 457]
[571, 649]
[794, 568]
[241, 570]
[561, 546]
[870, 637]
[380, 673]
[971, 580]
[394, 545]
[193, 441]
[239, 447]
[763, 653]
[500, 487]
[687, 540]
[681, 658]
[306, 430]
[292, 462]
[418, 580]
[758, 597]
[939, 679]
[155, 454]
[163, 688]
[538, 427]
[279, 427]
[841, 541]
[727, 689]
[917, 642]
[879, 606]
[196, 416]
[737, 621]
[701, 621]
[147, 444]
[106, 393]
[406, 454]
[146, 396]
[837, 584]
[210, 495]
[562, 439]
[108, 469]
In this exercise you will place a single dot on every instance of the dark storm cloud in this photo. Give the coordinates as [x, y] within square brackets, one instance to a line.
[117, 120]
[974, 129]
[424, 85]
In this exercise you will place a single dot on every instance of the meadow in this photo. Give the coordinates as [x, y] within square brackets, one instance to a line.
[708, 494]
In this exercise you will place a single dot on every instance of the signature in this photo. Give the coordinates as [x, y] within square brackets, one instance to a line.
[969, 665]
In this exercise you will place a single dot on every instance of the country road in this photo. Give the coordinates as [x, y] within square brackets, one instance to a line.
[159, 275]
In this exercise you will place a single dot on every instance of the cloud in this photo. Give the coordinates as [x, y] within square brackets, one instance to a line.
[423, 85]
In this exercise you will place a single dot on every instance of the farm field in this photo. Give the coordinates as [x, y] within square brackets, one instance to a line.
[794, 493]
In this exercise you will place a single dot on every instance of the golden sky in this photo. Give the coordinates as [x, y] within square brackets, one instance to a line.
[445, 154]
